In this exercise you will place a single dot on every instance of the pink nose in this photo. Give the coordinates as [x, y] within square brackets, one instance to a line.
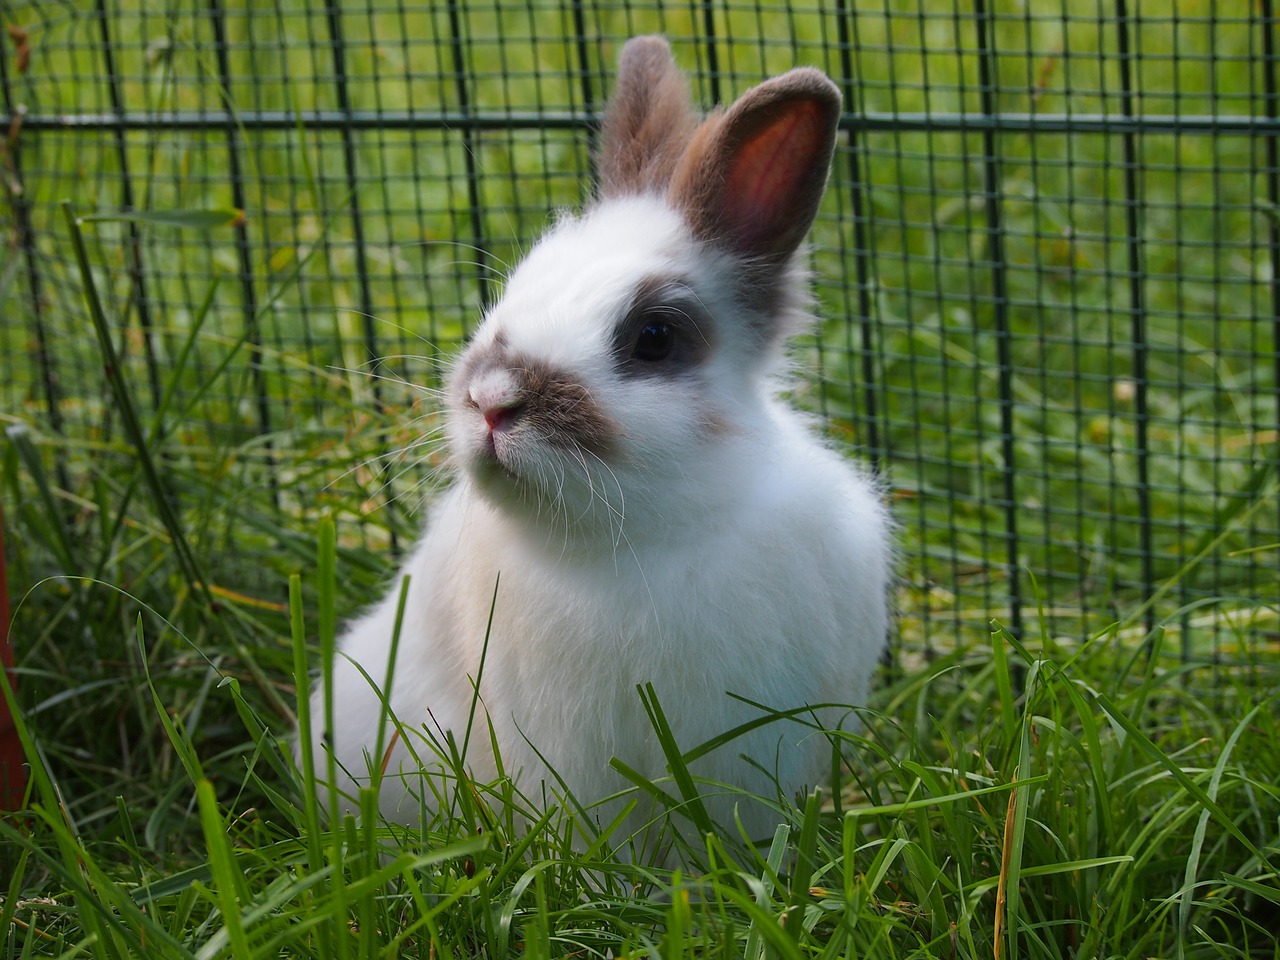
[499, 417]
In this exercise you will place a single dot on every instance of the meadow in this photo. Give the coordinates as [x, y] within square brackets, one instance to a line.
[1054, 333]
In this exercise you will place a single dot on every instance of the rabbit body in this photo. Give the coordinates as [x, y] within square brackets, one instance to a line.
[633, 503]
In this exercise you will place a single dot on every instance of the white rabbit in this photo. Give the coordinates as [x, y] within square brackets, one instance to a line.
[650, 510]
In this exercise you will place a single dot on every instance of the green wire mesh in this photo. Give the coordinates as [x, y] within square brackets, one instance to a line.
[1046, 267]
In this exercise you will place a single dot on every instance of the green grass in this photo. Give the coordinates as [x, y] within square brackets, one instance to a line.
[1089, 789]
[1122, 805]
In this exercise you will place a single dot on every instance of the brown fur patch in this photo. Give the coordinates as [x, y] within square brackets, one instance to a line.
[562, 411]
[717, 425]
[553, 406]
[648, 123]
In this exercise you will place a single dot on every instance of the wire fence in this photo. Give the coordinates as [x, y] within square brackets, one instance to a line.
[1047, 266]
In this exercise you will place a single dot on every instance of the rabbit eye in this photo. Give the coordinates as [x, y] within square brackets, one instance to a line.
[655, 342]
[666, 332]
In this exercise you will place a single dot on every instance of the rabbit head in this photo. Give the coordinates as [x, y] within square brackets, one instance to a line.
[622, 383]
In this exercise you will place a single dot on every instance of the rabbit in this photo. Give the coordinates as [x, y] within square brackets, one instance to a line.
[632, 501]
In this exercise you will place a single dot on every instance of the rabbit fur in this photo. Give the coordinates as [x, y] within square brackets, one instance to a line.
[627, 477]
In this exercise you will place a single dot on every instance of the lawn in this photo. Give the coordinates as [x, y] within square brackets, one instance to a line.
[1054, 335]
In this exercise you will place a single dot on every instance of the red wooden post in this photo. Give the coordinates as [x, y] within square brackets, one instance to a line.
[13, 774]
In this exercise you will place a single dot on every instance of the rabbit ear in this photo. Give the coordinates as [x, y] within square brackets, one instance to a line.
[754, 175]
[649, 122]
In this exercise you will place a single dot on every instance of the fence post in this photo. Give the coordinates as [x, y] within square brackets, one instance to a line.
[991, 188]
[484, 274]
[1271, 87]
[13, 771]
[138, 292]
[248, 294]
[15, 189]
[861, 247]
[1137, 299]
[367, 316]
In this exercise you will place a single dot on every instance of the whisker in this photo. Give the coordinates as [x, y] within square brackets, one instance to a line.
[400, 327]
[378, 461]
[618, 512]
[463, 245]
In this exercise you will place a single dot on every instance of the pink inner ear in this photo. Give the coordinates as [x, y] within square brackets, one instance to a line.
[770, 172]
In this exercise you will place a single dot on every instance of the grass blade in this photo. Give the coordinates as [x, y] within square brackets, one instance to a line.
[192, 219]
[160, 494]
[1145, 744]
[228, 883]
[1187, 896]
[689, 793]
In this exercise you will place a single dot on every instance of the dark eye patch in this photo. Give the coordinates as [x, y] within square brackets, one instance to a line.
[656, 340]
[664, 331]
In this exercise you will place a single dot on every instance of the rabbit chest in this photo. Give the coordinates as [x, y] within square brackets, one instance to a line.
[748, 612]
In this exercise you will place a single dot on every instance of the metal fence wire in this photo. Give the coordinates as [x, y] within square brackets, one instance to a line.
[1047, 266]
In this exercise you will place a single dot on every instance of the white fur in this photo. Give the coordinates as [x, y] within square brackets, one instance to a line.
[724, 549]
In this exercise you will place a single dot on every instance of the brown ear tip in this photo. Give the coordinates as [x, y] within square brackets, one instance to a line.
[645, 46]
[813, 84]
[647, 40]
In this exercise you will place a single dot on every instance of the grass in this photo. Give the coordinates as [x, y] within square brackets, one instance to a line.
[1102, 784]
[1121, 805]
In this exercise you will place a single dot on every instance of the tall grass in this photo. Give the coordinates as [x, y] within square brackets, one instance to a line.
[1121, 805]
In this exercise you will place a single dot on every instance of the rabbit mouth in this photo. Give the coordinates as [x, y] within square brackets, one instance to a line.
[492, 459]
[531, 475]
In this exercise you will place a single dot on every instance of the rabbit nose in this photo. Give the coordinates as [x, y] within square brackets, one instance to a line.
[495, 394]
[500, 416]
